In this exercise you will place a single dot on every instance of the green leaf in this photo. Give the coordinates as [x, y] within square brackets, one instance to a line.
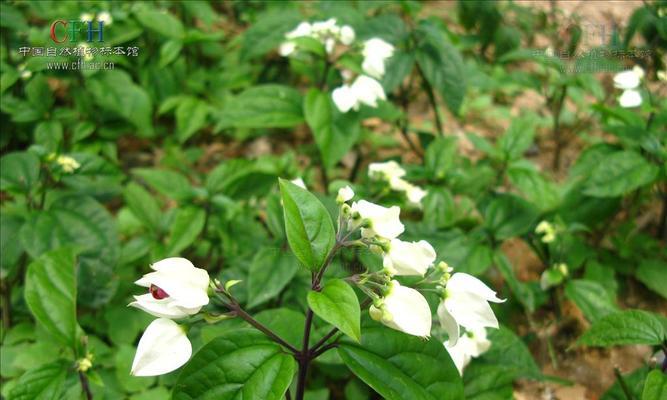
[49, 134]
[271, 270]
[240, 179]
[522, 292]
[10, 248]
[655, 387]
[338, 305]
[286, 323]
[535, 187]
[508, 215]
[169, 51]
[191, 115]
[39, 94]
[508, 350]
[243, 363]
[619, 174]
[653, 274]
[518, 138]
[441, 64]
[487, 382]
[263, 106]
[335, 133]
[186, 227]
[440, 156]
[268, 31]
[50, 292]
[400, 366]
[591, 298]
[169, 183]
[161, 22]
[19, 172]
[43, 383]
[623, 328]
[310, 231]
[143, 206]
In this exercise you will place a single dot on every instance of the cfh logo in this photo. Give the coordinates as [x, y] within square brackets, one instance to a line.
[62, 30]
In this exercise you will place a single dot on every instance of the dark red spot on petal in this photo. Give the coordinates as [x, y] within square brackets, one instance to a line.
[158, 293]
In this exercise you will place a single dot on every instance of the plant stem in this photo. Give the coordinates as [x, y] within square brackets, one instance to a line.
[304, 357]
[624, 386]
[6, 305]
[558, 107]
[85, 386]
[322, 341]
[431, 98]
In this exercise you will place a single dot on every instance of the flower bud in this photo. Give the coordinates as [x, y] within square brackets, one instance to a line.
[344, 194]
[405, 310]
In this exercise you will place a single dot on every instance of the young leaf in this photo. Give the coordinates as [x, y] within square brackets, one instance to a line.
[518, 138]
[271, 270]
[623, 328]
[400, 366]
[50, 292]
[655, 387]
[338, 305]
[310, 231]
[243, 363]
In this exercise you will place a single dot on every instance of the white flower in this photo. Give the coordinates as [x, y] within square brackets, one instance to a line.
[287, 48]
[628, 79]
[303, 29]
[105, 17]
[404, 309]
[325, 27]
[415, 194]
[162, 348]
[344, 194]
[368, 91]
[299, 182]
[408, 258]
[176, 289]
[382, 221]
[385, 170]
[472, 344]
[347, 35]
[375, 52]
[329, 44]
[86, 17]
[466, 304]
[639, 71]
[630, 98]
[662, 75]
[344, 98]
[68, 164]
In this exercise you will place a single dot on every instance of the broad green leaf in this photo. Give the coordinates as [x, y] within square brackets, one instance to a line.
[623, 328]
[310, 231]
[655, 387]
[240, 179]
[10, 248]
[508, 350]
[268, 31]
[518, 138]
[619, 174]
[191, 115]
[161, 22]
[43, 383]
[271, 270]
[263, 106]
[591, 298]
[243, 363]
[398, 66]
[441, 64]
[19, 172]
[169, 183]
[49, 134]
[653, 274]
[116, 92]
[95, 177]
[39, 94]
[487, 382]
[169, 51]
[50, 292]
[334, 133]
[440, 156]
[186, 227]
[143, 206]
[337, 304]
[508, 215]
[400, 366]
[535, 187]
[439, 208]
[286, 323]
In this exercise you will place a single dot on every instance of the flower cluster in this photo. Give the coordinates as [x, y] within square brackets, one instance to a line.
[66, 163]
[547, 230]
[629, 81]
[326, 32]
[176, 290]
[365, 88]
[464, 299]
[103, 16]
[392, 173]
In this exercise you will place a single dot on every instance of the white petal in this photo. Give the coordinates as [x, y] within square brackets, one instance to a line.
[449, 324]
[385, 170]
[409, 258]
[373, 66]
[162, 308]
[462, 282]
[384, 221]
[299, 182]
[459, 356]
[345, 194]
[368, 91]
[344, 98]
[287, 48]
[471, 311]
[630, 98]
[346, 35]
[163, 348]
[409, 311]
[378, 48]
[626, 80]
